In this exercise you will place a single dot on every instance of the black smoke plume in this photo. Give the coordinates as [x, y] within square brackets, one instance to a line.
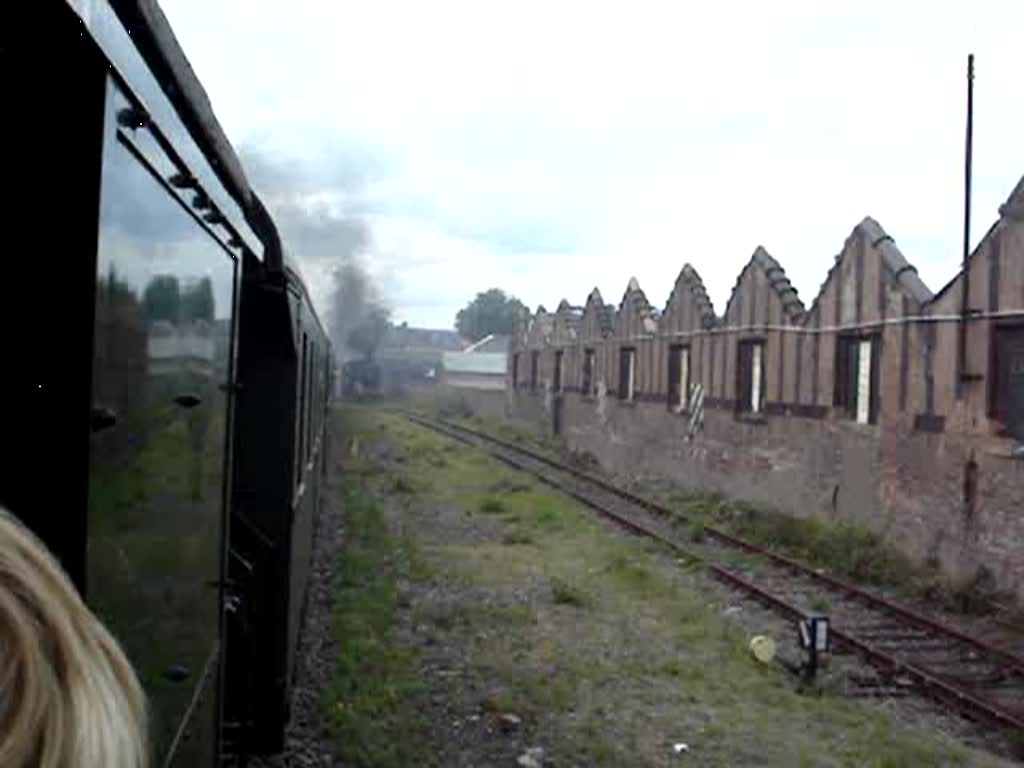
[318, 208]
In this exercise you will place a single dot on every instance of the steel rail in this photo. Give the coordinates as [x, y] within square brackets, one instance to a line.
[1015, 662]
[939, 689]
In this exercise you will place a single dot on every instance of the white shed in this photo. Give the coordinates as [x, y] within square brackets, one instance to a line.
[477, 369]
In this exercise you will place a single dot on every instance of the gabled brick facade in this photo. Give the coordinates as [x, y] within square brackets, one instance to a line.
[857, 407]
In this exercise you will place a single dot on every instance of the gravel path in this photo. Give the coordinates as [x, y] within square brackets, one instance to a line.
[307, 744]
[463, 704]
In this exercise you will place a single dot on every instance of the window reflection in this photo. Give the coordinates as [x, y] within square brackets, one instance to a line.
[164, 301]
[118, 46]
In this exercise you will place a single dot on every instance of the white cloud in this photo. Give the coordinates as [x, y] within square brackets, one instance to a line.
[549, 147]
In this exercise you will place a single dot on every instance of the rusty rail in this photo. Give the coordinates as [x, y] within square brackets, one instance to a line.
[1015, 662]
[939, 689]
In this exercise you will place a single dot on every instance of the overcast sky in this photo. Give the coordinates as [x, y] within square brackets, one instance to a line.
[550, 147]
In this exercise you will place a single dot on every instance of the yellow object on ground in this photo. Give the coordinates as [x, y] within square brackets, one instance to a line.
[763, 648]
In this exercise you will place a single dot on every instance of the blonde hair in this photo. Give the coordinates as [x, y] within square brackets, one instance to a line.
[68, 696]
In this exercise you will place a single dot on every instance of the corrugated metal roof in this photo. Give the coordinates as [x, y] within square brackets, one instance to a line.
[475, 362]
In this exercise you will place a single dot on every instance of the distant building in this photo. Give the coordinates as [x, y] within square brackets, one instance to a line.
[413, 356]
[190, 347]
[480, 366]
[405, 337]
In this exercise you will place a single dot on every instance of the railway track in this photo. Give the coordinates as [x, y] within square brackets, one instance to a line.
[977, 679]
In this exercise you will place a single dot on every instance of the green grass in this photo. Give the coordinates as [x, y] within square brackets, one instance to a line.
[608, 648]
[508, 486]
[519, 435]
[491, 506]
[517, 537]
[631, 573]
[371, 706]
[566, 593]
[821, 604]
[847, 550]
[154, 532]
[696, 529]
[402, 485]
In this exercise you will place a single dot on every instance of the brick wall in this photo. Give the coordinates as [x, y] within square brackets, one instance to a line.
[929, 466]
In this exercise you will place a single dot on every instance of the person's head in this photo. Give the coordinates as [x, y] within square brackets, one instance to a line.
[68, 696]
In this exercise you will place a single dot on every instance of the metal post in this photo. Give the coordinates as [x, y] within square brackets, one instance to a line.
[966, 280]
[811, 670]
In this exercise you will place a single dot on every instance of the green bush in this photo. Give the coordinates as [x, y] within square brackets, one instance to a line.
[697, 530]
[513, 538]
[452, 406]
[492, 505]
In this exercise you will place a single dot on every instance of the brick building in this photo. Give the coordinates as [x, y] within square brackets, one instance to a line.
[881, 403]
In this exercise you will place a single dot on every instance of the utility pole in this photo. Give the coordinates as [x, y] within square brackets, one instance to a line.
[965, 309]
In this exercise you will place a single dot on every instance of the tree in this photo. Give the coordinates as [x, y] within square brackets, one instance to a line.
[197, 301]
[490, 312]
[119, 357]
[162, 299]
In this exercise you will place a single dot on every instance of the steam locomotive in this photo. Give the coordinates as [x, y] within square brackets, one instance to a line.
[165, 378]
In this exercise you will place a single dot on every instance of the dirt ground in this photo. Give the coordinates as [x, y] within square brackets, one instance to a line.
[483, 620]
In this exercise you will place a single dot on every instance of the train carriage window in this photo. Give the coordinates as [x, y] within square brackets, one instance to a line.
[311, 434]
[314, 422]
[320, 394]
[309, 404]
[164, 317]
[300, 413]
[305, 407]
[312, 401]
